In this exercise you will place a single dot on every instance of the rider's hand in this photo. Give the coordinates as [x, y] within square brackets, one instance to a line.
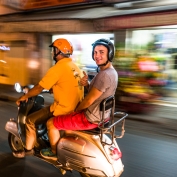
[84, 79]
[22, 98]
[51, 91]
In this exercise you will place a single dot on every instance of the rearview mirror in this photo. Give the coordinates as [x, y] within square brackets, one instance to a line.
[18, 87]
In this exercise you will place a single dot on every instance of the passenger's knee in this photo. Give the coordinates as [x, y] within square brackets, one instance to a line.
[50, 123]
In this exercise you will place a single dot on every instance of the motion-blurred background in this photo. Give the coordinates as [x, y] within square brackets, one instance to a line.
[145, 36]
[143, 31]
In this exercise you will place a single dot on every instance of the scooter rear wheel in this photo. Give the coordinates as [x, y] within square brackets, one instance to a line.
[86, 175]
[14, 143]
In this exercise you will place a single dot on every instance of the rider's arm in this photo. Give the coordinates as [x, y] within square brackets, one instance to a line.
[32, 92]
[37, 89]
[89, 99]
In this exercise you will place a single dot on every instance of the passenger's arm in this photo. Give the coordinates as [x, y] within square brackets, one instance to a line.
[89, 99]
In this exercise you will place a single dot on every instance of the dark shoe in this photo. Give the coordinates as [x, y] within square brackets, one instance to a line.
[48, 154]
[29, 152]
[22, 154]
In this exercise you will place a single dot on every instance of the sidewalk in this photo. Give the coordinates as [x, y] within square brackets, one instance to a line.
[8, 93]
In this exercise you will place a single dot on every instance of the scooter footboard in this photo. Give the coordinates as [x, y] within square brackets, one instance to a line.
[11, 126]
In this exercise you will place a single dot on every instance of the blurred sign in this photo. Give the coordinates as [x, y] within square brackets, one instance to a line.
[36, 4]
[114, 1]
[148, 65]
[136, 21]
[3, 47]
[56, 26]
[15, 3]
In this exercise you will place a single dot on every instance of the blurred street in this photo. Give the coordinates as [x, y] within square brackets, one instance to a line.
[149, 149]
[144, 34]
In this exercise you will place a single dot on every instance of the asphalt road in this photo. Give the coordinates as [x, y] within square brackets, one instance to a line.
[147, 152]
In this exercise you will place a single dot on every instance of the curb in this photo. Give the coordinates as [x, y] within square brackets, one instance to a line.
[7, 98]
[164, 103]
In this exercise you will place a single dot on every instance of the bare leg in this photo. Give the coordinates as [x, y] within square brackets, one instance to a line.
[53, 135]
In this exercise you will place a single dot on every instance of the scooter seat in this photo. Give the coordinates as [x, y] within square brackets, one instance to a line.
[96, 130]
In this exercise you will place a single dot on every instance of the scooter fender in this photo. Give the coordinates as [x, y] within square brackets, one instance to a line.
[11, 126]
[81, 152]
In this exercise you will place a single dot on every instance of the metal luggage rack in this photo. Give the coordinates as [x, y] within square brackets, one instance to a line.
[106, 104]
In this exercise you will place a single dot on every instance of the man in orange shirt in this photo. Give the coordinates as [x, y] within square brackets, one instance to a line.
[63, 78]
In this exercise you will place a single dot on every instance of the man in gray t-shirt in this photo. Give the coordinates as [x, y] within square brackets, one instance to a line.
[87, 114]
[106, 82]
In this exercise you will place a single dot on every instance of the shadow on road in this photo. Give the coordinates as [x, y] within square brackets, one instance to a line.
[11, 166]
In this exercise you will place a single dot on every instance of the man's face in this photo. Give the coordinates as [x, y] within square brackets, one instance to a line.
[53, 52]
[100, 54]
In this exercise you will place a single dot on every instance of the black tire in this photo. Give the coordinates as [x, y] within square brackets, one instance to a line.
[15, 143]
[86, 175]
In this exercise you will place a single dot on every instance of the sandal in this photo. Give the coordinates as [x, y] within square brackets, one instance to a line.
[48, 154]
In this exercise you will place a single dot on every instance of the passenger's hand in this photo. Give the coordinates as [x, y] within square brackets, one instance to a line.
[22, 98]
[84, 79]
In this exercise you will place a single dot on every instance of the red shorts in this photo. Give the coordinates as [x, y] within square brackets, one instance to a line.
[73, 121]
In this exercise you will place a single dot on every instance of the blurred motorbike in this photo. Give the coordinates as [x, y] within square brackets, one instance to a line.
[92, 152]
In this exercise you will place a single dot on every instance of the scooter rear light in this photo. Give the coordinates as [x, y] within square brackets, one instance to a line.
[115, 153]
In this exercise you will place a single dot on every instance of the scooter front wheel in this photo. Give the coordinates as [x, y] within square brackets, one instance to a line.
[14, 143]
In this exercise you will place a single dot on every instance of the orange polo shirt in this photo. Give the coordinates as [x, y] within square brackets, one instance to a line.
[64, 79]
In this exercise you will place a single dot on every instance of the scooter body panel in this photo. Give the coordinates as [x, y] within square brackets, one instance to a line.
[84, 152]
[11, 126]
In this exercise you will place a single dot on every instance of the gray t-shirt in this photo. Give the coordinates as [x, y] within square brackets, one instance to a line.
[105, 81]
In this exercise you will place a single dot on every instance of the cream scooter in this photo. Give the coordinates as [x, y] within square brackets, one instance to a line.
[92, 153]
